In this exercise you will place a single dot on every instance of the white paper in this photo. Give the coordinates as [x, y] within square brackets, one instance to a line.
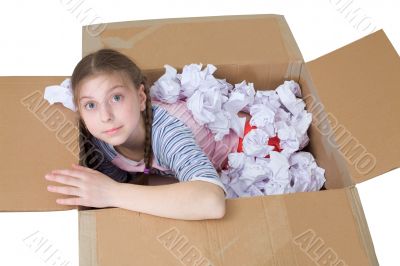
[167, 87]
[61, 94]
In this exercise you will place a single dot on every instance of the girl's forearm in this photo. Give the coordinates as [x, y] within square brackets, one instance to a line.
[192, 200]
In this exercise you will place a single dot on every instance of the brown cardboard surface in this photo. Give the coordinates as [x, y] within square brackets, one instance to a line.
[35, 139]
[321, 146]
[293, 229]
[358, 85]
[248, 44]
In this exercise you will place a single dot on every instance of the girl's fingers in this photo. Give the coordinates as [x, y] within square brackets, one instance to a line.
[73, 191]
[64, 179]
[69, 201]
[77, 173]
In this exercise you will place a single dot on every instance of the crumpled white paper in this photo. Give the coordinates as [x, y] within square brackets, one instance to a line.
[215, 104]
[61, 94]
[306, 174]
[259, 169]
[167, 87]
[206, 97]
[255, 143]
[247, 176]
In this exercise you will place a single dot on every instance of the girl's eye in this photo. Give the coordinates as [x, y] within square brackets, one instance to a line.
[89, 106]
[117, 98]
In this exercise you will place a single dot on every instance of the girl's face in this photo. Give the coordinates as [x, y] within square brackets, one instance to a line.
[110, 101]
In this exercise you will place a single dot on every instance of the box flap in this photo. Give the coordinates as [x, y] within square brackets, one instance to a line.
[248, 44]
[359, 87]
[36, 138]
[292, 229]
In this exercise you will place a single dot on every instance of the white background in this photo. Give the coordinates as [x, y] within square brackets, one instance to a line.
[44, 38]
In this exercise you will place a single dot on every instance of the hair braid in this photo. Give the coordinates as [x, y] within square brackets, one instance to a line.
[148, 122]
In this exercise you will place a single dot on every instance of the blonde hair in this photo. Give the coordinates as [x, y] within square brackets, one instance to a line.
[110, 61]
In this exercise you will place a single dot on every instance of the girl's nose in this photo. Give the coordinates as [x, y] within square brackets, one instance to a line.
[106, 113]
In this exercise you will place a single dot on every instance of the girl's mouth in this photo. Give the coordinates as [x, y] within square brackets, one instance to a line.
[112, 131]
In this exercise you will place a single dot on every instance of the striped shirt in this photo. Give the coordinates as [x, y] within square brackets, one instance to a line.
[175, 153]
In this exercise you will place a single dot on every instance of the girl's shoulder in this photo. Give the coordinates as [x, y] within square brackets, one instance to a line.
[164, 121]
[161, 115]
[165, 124]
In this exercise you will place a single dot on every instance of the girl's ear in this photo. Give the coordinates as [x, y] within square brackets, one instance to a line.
[142, 97]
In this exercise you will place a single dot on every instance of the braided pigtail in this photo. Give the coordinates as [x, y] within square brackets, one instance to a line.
[148, 148]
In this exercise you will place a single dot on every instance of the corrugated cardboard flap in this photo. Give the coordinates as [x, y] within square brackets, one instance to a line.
[256, 46]
[293, 229]
[35, 139]
[359, 87]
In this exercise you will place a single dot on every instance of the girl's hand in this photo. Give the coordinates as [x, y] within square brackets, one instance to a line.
[92, 188]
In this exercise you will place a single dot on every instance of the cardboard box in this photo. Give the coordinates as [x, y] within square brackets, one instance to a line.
[352, 93]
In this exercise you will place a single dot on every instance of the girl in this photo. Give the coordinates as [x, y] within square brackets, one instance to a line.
[136, 135]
